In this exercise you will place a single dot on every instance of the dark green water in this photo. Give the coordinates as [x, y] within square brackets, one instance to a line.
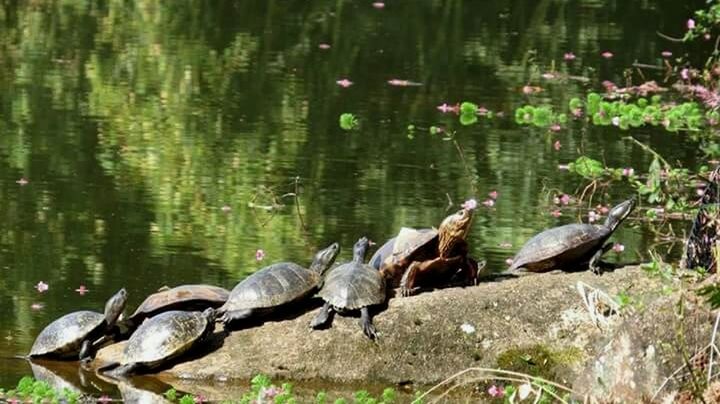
[147, 130]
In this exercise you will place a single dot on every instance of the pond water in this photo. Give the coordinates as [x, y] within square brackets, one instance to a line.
[147, 143]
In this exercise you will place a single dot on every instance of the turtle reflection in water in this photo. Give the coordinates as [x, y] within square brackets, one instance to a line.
[161, 339]
[352, 286]
[78, 334]
[573, 245]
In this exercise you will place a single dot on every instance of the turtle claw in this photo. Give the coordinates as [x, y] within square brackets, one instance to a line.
[369, 331]
[406, 292]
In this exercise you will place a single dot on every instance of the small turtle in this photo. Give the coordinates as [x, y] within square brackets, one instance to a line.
[184, 297]
[352, 286]
[162, 338]
[571, 245]
[430, 256]
[276, 285]
[75, 335]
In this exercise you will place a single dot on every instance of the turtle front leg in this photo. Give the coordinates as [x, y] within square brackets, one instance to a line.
[86, 351]
[366, 323]
[407, 283]
[594, 263]
[323, 317]
[231, 316]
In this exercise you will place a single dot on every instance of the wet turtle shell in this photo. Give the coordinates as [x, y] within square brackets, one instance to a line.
[64, 337]
[572, 244]
[184, 297]
[276, 285]
[408, 244]
[165, 337]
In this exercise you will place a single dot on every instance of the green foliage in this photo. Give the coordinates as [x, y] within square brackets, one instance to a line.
[187, 399]
[29, 389]
[705, 20]
[542, 117]
[171, 394]
[348, 121]
[587, 167]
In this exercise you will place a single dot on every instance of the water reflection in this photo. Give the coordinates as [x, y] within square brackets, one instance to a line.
[143, 130]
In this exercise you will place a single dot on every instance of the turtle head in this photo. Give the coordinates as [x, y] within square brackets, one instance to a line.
[325, 258]
[454, 228]
[115, 306]
[619, 212]
[360, 248]
[209, 314]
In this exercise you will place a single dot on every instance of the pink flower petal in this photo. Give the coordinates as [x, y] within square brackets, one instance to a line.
[470, 204]
[690, 24]
[378, 5]
[509, 261]
[22, 181]
[569, 56]
[324, 46]
[556, 213]
[37, 306]
[259, 255]
[345, 83]
[489, 203]
[607, 55]
[557, 145]
[618, 248]
[666, 54]
[42, 287]
[493, 194]
[82, 290]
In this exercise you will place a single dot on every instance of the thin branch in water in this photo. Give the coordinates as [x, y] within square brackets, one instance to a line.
[668, 37]
[297, 204]
[471, 178]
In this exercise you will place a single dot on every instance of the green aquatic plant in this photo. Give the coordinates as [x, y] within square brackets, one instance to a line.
[348, 121]
[36, 391]
[542, 116]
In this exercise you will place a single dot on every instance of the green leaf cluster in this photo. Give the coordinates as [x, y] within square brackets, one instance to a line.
[349, 121]
[36, 391]
[542, 116]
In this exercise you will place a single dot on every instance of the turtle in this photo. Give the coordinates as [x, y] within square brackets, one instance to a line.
[75, 335]
[429, 256]
[352, 286]
[162, 338]
[276, 285]
[572, 245]
[183, 297]
[703, 236]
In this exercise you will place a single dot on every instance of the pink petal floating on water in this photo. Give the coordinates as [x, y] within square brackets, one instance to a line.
[531, 90]
[22, 181]
[618, 248]
[378, 5]
[482, 111]
[556, 213]
[402, 83]
[345, 83]
[470, 204]
[493, 194]
[509, 261]
[259, 255]
[690, 24]
[556, 127]
[563, 167]
[607, 55]
[557, 145]
[37, 306]
[569, 56]
[324, 46]
[445, 108]
[565, 199]
[42, 287]
[577, 112]
[226, 209]
[82, 290]
[666, 54]
[489, 203]
[548, 76]
[603, 209]
[628, 171]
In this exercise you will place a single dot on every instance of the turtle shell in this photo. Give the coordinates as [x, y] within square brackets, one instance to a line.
[184, 297]
[272, 286]
[352, 286]
[561, 246]
[63, 337]
[410, 242]
[165, 336]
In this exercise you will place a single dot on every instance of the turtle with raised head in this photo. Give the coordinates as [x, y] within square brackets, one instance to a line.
[572, 245]
[76, 335]
[161, 339]
[430, 257]
[352, 286]
[183, 297]
[276, 285]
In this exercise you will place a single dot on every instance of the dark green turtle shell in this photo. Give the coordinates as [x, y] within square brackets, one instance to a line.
[166, 336]
[560, 246]
[63, 337]
[272, 286]
[353, 285]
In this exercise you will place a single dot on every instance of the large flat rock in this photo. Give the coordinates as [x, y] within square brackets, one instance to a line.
[424, 338]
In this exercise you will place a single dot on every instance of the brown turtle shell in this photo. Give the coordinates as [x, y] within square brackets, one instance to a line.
[184, 297]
